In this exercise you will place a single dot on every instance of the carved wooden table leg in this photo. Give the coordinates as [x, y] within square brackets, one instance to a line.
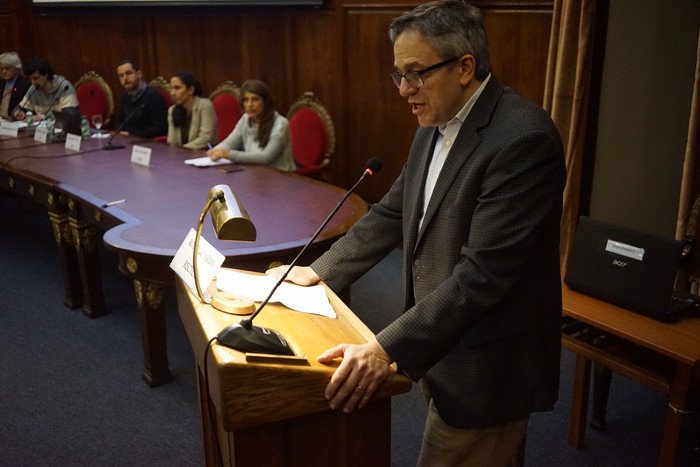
[85, 242]
[73, 291]
[84, 237]
[149, 296]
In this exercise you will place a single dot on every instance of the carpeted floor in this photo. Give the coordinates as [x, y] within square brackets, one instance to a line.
[71, 392]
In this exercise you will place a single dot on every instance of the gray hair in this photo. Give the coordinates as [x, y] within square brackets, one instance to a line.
[453, 27]
[11, 59]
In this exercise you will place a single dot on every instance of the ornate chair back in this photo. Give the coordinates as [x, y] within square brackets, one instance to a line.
[95, 97]
[312, 134]
[163, 87]
[227, 104]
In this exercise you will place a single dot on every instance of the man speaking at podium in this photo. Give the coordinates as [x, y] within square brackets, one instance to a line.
[477, 209]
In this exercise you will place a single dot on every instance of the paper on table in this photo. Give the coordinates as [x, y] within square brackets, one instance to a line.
[311, 300]
[207, 162]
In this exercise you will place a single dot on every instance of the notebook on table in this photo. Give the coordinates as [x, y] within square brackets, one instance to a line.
[629, 268]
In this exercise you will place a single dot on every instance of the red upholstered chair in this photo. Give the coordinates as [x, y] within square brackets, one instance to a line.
[163, 87]
[313, 136]
[95, 97]
[226, 102]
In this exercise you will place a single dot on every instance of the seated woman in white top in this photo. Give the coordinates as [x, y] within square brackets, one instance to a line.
[261, 136]
[192, 119]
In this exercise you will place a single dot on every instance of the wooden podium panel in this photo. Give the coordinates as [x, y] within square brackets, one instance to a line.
[275, 414]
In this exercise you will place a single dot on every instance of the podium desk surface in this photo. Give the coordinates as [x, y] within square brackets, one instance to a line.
[252, 393]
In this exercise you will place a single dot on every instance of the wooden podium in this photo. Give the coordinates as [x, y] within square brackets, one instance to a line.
[275, 414]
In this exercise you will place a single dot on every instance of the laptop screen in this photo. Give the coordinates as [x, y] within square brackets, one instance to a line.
[629, 268]
[68, 120]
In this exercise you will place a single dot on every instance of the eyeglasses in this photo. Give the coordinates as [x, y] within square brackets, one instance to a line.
[413, 78]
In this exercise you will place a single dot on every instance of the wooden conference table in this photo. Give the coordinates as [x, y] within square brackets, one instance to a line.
[163, 202]
[660, 355]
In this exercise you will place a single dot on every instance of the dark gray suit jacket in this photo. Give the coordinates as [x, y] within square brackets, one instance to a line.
[483, 292]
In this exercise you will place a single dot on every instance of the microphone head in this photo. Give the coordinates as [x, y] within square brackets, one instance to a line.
[374, 165]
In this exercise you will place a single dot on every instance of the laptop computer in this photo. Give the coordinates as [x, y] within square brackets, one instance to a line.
[68, 121]
[628, 268]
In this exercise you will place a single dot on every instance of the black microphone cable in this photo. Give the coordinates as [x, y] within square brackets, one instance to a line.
[57, 156]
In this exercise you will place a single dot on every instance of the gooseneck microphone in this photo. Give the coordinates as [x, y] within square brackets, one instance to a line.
[53, 104]
[26, 98]
[109, 144]
[243, 335]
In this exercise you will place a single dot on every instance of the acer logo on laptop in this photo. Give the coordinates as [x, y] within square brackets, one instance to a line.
[618, 263]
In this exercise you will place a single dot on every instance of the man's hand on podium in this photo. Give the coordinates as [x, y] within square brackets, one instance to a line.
[300, 275]
[364, 368]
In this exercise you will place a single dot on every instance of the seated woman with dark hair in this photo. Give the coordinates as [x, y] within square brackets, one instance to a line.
[261, 136]
[192, 119]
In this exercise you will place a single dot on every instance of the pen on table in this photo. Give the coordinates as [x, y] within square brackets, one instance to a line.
[114, 203]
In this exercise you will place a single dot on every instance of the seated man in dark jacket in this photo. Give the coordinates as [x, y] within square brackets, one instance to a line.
[143, 111]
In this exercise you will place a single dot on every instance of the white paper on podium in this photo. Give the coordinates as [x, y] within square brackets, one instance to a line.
[312, 300]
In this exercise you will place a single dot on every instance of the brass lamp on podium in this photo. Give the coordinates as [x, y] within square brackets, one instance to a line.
[231, 222]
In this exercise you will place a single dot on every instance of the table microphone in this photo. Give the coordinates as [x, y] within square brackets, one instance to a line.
[243, 335]
[90, 93]
[109, 144]
[53, 104]
[27, 98]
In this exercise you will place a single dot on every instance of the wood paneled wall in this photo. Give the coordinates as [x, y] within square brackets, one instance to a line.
[339, 51]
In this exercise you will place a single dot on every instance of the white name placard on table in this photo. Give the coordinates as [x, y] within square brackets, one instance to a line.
[8, 128]
[41, 134]
[73, 142]
[141, 155]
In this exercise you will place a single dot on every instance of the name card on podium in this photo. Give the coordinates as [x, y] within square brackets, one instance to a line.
[209, 260]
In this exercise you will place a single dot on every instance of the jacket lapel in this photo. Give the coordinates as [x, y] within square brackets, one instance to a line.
[422, 151]
[466, 142]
